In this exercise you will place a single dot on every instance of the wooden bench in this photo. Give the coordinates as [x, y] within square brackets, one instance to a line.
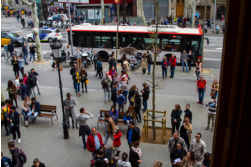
[101, 118]
[48, 111]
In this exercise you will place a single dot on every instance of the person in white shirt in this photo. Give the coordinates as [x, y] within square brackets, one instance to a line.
[123, 162]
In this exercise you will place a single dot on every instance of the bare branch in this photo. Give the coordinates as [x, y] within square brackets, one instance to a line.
[28, 3]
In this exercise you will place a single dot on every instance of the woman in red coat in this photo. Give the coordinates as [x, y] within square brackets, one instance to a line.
[116, 140]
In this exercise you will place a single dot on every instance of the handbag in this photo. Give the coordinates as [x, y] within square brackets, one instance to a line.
[86, 81]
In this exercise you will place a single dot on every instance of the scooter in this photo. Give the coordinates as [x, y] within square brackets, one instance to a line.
[217, 29]
[135, 61]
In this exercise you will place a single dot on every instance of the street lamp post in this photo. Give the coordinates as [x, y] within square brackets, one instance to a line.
[56, 46]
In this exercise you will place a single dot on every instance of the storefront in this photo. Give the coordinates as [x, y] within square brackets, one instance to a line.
[91, 9]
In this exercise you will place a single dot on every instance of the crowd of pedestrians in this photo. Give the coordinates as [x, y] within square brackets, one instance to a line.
[132, 101]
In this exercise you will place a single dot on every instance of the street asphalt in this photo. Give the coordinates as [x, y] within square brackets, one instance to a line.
[46, 142]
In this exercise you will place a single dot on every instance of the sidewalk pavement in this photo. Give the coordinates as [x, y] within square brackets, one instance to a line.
[46, 142]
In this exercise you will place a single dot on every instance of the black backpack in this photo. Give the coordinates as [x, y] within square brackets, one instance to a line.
[22, 156]
[32, 80]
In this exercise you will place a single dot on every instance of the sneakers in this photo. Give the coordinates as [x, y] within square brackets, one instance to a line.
[19, 140]
[26, 123]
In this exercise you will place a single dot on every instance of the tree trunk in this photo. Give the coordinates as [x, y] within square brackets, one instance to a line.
[142, 12]
[117, 34]
[5, 2]
[185, 9]
[35, 29]
[102, 19]
[193, 12]
[154, 65]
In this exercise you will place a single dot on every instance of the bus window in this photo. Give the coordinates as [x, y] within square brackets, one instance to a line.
[194, 47]
[171, 45]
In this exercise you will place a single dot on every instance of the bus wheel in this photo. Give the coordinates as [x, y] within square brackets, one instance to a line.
[103, 55]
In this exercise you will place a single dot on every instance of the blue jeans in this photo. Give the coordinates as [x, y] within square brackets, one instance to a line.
[32, 55]
[32, 117]
[25, 115]
[106, 95]
[183, 65]
[201, 92]
[125, 93]
[164, 72]
[107, 136]
[84, 142]
[145, 104]
[77, 87]
[149, 68]
[172, 71]
[25, 58]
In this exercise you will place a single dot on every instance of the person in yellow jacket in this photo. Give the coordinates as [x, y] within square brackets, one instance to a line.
[76, 78]
[5, 118]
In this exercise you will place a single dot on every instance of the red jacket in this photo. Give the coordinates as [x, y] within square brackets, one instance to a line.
[201, 84]
[112, 73]
[172, 62]
[116, 140]
[91, 142]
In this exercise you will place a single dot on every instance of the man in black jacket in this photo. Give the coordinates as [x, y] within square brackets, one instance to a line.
[145, 95]
[32, 52]
[18, 156]
[188, 113]
[15, 123]
[133, 133]
[11, 48]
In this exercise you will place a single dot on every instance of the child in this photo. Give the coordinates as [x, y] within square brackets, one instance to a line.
[17, 82]
[116, 140]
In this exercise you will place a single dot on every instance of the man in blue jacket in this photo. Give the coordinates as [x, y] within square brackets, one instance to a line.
[34, 109]
[23, 89]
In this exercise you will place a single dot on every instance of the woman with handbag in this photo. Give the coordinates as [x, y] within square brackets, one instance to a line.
[84, 80]
[214, 89]
[12, 90]
[198, 68]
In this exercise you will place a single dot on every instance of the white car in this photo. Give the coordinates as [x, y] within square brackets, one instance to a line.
[58, 17]
[46, 34]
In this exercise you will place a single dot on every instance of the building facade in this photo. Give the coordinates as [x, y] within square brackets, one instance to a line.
[204, 8]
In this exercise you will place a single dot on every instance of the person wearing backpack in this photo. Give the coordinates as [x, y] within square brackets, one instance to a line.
[35, 74]
[32, 52]
[18, 156]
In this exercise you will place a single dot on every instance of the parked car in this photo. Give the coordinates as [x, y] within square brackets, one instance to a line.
[46, 34]
[58, 17]
[16, 39]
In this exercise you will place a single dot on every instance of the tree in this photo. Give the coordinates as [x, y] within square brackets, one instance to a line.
[193, 12]
[142, 12]
[102, 20]
[154, 85]
[33, 5]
